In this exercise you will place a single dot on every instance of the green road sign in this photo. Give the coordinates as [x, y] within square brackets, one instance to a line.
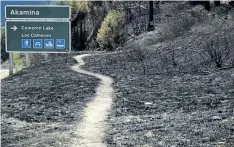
[38, 36]
[37, 11]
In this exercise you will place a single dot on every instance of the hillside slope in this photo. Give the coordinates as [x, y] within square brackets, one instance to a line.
[168, 90]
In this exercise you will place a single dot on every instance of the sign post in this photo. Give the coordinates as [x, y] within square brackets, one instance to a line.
[11, 64]
[28, 60]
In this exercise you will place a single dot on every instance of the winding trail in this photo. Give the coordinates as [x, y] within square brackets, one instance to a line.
[90, 131]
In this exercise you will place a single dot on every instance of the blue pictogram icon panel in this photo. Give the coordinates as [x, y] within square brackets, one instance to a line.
[26, 43]
[49, 43]
[60, 43]
[37, 43]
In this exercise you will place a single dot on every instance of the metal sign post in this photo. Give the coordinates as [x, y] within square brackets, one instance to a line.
[28, 63]
[11, 68]
[46, 56]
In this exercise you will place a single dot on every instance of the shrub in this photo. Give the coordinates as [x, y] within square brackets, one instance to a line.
[138, 54]
[181, 22]
[78, 6]
[111, 32]
[18, 62]
[219, 48]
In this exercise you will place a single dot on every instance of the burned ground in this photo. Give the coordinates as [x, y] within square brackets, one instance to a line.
[169, 93]
[167, 110]
[41, 105]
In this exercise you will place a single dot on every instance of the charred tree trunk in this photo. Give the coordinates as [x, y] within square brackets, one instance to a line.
[81, 38]
[151, 16]
[78, 17]
[85, 38]
[217, 3]
[205, 4]
[75, 39]
[231, 3]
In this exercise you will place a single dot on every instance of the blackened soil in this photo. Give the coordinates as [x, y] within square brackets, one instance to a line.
[41, 104]
[167, 109]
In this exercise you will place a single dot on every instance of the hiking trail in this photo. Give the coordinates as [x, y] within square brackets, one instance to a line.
[90, 131]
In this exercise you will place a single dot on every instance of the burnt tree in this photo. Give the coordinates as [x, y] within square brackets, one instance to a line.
[205, 4]
[98, 11]
[231, 3]
[151, 16]
[217, 3]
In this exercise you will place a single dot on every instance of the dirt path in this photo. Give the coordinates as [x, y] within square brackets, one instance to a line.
[90, 130]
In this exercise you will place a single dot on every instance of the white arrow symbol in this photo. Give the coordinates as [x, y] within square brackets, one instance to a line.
[14, 28]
